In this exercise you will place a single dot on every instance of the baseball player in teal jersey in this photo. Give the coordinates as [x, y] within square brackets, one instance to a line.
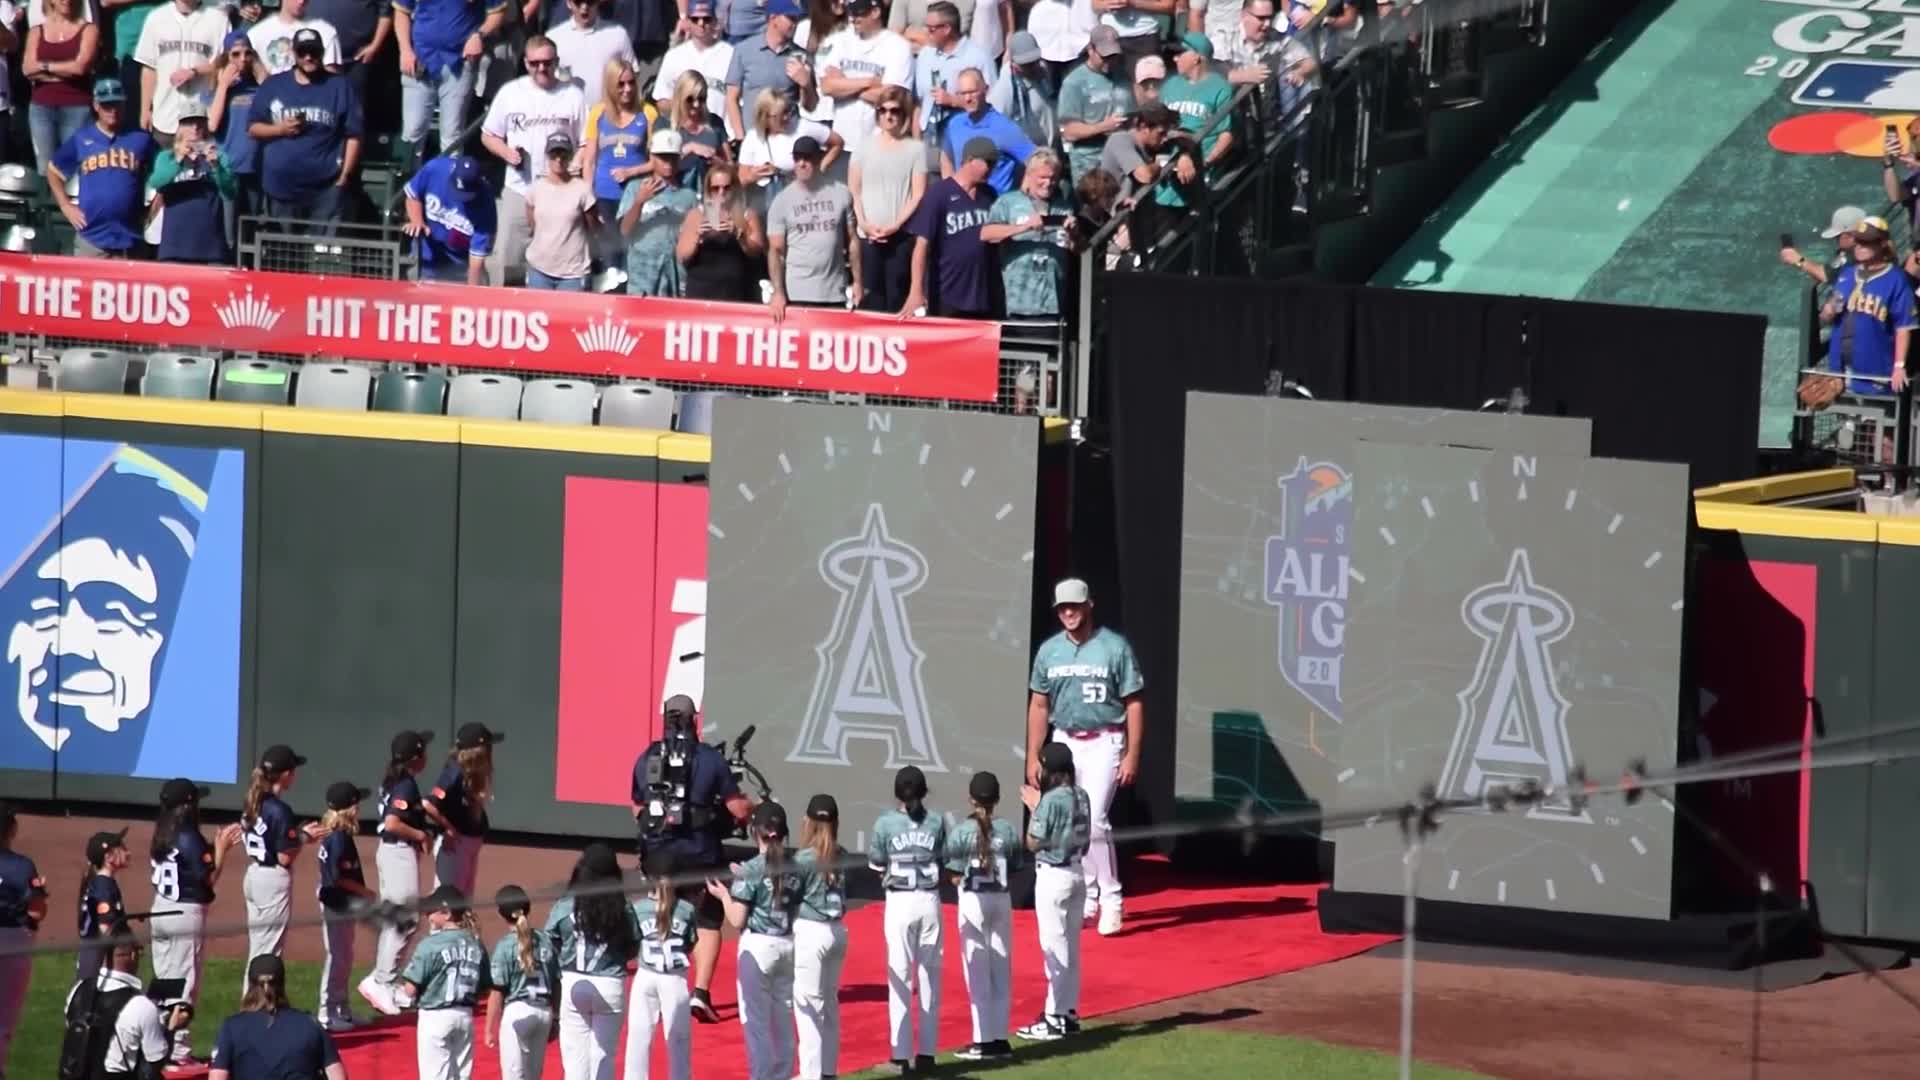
[1058, 835]
[596, 935]
[660, 996]
[523, 980]
[1086, 687]
[983, 853]
[761, 903]
[819, 938]
[448, 974]
[908, 845]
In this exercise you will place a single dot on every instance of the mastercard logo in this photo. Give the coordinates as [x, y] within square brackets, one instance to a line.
[1852, 133]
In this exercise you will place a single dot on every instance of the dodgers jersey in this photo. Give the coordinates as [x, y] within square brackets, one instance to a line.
[1086, 685]
[185, 875]
[664, 953]
[773, 898]
[1876, 305]
[516, 983]
[1062, 825]
[984, 875]
[823, 896]
[907, 853]
[450, 968]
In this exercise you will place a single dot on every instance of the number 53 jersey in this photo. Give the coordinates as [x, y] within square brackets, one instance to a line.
[1086, 685]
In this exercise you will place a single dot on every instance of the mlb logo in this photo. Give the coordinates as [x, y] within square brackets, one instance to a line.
[1307, 568]
[1862, 84]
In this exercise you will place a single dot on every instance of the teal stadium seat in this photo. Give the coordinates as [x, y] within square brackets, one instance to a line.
[91, 371]
[255, 382]
[333, 386]
[423, 393]
[178, 375]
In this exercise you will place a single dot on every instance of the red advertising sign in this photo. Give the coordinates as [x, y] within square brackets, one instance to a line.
[574, 333]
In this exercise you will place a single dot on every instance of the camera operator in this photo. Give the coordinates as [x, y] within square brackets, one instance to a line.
[685, 801]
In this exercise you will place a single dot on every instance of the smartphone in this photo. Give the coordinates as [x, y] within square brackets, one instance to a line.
[1054, 221]
[1786, 240]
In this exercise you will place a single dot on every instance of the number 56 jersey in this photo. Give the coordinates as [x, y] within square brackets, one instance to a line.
[1086, 685]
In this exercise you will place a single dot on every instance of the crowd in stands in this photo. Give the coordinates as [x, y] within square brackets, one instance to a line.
[937, 156]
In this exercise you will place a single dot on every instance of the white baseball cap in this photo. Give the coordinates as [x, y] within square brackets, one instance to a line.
[664, 142]
[1071, 591]
[1845, 219]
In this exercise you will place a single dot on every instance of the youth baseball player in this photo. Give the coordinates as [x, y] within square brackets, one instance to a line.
[523, 981]
[272, 842]
[185, 869]
[404, 836]
[983, 852]
[1058, 834]
[1086, 689]
[448, 974]
[23, 903]
[905, 850]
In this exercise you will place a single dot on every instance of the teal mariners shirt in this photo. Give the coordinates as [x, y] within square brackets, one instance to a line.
[754, 887]
[907, 854]
[1086, 684]
[823, 896]
[580, 955]
[539, 986]
[1062, 825]
[984, 875]
[664, 953]
[450, 968]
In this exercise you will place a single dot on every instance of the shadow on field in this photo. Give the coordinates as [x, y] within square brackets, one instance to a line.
[1093, 1038]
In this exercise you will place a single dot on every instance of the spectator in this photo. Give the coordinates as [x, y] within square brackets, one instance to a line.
[979, 120]
[178, 53]
[1149, 76]
[948, 252]
[616, 150]
[112, 165]
[888, 180]
[825, 18]
[127, 17]
[1132, 158]
[561, 221]
[364, 28]
[909, 19]
[857, 65]
[1198, 94]
[766, 154]
[452, 218]
[60, 52]
[701, 141]
[1279, 65]
[586, 43]
[441, 45]
[524, 113]
[1034, 237]
[247, 15]
[273, 38]
[1061, 42]
[1136, 21]
[936, 75]
[1097, 193]
[233, 91]
[1840, 231]
[652, 208]
[812, 250]
[721, 244]
[308, 125]
[991, 26]
[141, 1037]
[743, 20]
[1872, 303]
[1024, 92]
[702, 51]
[1900, 171]
[1093, 104]
[193, 187]
[1217, 19]
[769, 60]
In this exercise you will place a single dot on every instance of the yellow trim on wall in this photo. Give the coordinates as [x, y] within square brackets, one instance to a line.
[1769, 489]
[398, 427]
[31, 403]
[1900, 531]
[681, 446]
[520, 435]
[1054, 430]
[1800, 524]
[146, 410]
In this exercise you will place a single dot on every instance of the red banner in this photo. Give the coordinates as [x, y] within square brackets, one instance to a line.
[574, 333]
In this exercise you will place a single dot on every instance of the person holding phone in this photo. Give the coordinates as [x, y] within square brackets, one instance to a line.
[193, 185]
[1034, 238]
[721, 241]
[1840, 231]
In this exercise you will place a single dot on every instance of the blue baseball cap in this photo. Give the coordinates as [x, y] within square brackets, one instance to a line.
[790, 8]
[465, 177]
[237, 37]
[108, 92]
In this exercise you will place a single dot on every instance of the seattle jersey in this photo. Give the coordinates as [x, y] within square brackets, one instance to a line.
[1086, 685]
[339, 861]
[20, 885]
[906, 854]
[664, 953]
[823, 896]
[984, 875]
[516, 983]
[773, 898]
[1876, 304]
[113, 183]
[1062, 825]
[401, 799]
[272, 833]
[450, 796]
[582, 955]
[185, 876]
[100, 905]
[450, 970]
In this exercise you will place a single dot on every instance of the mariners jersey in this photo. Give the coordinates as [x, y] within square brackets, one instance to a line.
[339, 861]
[401, 798]
[1086, 684]
[20, 885]
[100, 905]
[665, 953]
[113, 180]
[984, 875]
[1876, 305]
[450, 970]
[773, 898]
[823, 896]
[516, 983]
[907, 853]
[582, 955]
[185, 875]
[271, 833]
[1062, 825]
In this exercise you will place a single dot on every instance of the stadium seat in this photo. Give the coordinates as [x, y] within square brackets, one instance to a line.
[559, 401]
[178, 375]
[419, 392]
[257, 382]
[91, 371]
[637, 405]
[484, 397]
[333, 386]
[696, 411]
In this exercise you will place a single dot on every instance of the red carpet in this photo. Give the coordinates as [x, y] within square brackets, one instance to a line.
[1180, 939]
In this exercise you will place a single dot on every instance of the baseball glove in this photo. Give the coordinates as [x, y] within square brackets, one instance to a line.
[1818, 391]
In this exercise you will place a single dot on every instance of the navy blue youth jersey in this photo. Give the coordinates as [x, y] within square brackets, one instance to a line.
[450, 796]
[185, 876]
[272, 833]
[100, 905]
[20, 885]
[401, 798]
[1875, 306]
[287, 1043]
[339, 861]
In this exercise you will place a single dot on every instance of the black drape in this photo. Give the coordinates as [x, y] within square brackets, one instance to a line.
[1439, 350]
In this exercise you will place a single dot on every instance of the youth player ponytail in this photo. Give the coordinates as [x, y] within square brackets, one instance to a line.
[166, 829]
[983, 841]
[823, 839]
[664, 898]
[776, 866]
[258, 790]
[476, 773]
[523, 941]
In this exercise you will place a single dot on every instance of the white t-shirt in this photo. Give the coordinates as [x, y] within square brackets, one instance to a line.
[775, 150]
[1127, 22]
[987, 31]
[584, 53]
[711, 62]
[272, 40]
[1052, 25]
[885, 54]
[822, 111]
[138, 1034]
[523, 115]
[171, 40]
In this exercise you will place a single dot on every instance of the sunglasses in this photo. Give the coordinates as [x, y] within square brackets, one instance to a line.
[932, 26]
[719, 189]
[700, 20]
[547, 63]
[890, 110]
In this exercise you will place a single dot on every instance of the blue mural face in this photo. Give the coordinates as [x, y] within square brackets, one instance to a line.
[120, 608]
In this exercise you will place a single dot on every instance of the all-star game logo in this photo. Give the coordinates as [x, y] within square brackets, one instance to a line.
[1306, 578]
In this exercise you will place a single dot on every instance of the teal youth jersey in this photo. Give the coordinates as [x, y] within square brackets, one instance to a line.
[582, 955]
[823, 895]
[539, 986]
[1086, 684]
[907, 854]
[774, 899]
[450, 970]
[664, 952]
[984, 875]
[1062, 825]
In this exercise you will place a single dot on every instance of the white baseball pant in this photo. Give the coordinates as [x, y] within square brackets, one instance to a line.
[179, 931]
[1059, 899]
[819, 952]
[456, 862]
[16, 971]
[591, 1008]
[399, 871]
[269, 894]
[443, 1040]
[336, 968]
[662, 1000]
[913, 962]
[986, 950]
[764, 970]
[524, 1026]
[1096, 769]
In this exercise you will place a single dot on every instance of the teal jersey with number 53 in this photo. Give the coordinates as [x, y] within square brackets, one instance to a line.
[1086, 685]
[450, 970]
[907, 853]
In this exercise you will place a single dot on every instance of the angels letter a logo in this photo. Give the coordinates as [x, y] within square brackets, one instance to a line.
[1307, 579]
[1513, 719]
[868, 684]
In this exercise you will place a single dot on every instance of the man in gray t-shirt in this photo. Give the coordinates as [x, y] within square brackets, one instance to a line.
[1131, 154]
[812, 255]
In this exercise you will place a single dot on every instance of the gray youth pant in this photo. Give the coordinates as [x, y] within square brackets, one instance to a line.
[269, 892]
[337, 968]
[16, 968]
[398, 866]
[179, 931]
[456, 862]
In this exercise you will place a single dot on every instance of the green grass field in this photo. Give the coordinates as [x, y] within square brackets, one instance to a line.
[1154, 1048]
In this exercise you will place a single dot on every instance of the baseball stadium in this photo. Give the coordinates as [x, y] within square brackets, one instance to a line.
[1077, 538]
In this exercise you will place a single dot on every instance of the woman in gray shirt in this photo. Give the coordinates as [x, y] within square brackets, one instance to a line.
[888, 176]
